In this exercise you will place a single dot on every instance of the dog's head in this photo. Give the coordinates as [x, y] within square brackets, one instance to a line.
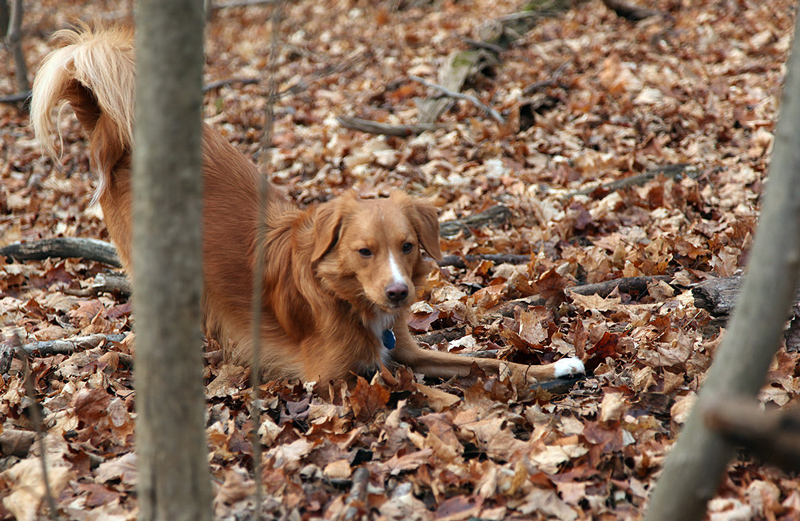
[369, 251]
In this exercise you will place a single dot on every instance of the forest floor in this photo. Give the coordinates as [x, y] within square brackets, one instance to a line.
[587, 97]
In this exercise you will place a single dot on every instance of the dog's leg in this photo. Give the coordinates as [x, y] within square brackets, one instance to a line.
[447, 365]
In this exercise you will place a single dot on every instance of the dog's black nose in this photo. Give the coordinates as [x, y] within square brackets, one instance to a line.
[396, 292]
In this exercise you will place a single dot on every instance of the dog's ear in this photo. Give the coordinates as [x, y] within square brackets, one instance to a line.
[327, 223]
[425, 218]
[428, 230]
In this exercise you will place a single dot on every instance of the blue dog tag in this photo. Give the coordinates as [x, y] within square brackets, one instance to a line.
[388, 338]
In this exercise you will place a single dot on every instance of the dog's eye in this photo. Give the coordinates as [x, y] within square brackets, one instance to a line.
[407, 247]
[365, 252]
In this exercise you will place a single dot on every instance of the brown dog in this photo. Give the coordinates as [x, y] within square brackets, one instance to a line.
[339, 278]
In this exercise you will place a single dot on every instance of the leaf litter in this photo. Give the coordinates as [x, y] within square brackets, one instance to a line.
[588, 98]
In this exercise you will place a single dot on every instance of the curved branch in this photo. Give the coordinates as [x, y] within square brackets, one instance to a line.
[65, 247]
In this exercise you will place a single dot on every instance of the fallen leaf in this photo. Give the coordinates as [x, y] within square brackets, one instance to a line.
[26, 482]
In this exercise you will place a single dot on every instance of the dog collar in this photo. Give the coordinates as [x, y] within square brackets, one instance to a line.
[388, 339]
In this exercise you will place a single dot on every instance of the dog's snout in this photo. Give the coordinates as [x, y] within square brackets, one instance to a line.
[397, 292]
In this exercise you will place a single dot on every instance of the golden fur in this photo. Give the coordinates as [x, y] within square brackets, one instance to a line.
[337, 276]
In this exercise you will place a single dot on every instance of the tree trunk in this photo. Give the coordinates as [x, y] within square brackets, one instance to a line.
[174, 479]
[694, 467]
[14, 43]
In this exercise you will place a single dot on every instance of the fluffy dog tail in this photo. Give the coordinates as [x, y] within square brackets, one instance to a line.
[95, 73]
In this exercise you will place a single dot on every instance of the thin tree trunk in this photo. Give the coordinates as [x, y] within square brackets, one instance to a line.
[14, 43]
[174, 479]
[694, 467]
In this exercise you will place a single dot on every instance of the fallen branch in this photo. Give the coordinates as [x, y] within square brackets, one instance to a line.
[774, 437]
[105, 252]
[670, 172]
[510, 28]
[112, 282]
[637, 285]
[479, 44]
[458, 261]
[229, 81]
[20, 97]
[242, 3]
[385, 129]
[625, 285]
[356, 500]
[300, 86]
[496, 216]
[459, 95]
[527, 15]
[552, 82]
[90, 249]
[459, 66]
[47, 348]
[317, 75]
[718, 296]
[509, 309]
[630, 11]
[494, 37]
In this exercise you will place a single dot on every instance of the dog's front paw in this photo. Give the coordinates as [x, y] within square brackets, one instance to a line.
[567, 367]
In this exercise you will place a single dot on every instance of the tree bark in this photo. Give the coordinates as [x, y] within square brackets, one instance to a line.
[695, 465]
[14, 43]
[773, 437]
[64, 247]
[174, 479]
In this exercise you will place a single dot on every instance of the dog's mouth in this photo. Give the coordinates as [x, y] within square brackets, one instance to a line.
[388, 308]
[391, 306]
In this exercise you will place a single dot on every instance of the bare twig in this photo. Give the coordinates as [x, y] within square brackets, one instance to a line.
[258, 269]
[317, 75]
[460, 95]
[455, 71]
[552, 82]
[373, 127]
[36, 418]
[527, 15]
[301, 84]
[229, 81]
[479, 44]
[678, 171]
